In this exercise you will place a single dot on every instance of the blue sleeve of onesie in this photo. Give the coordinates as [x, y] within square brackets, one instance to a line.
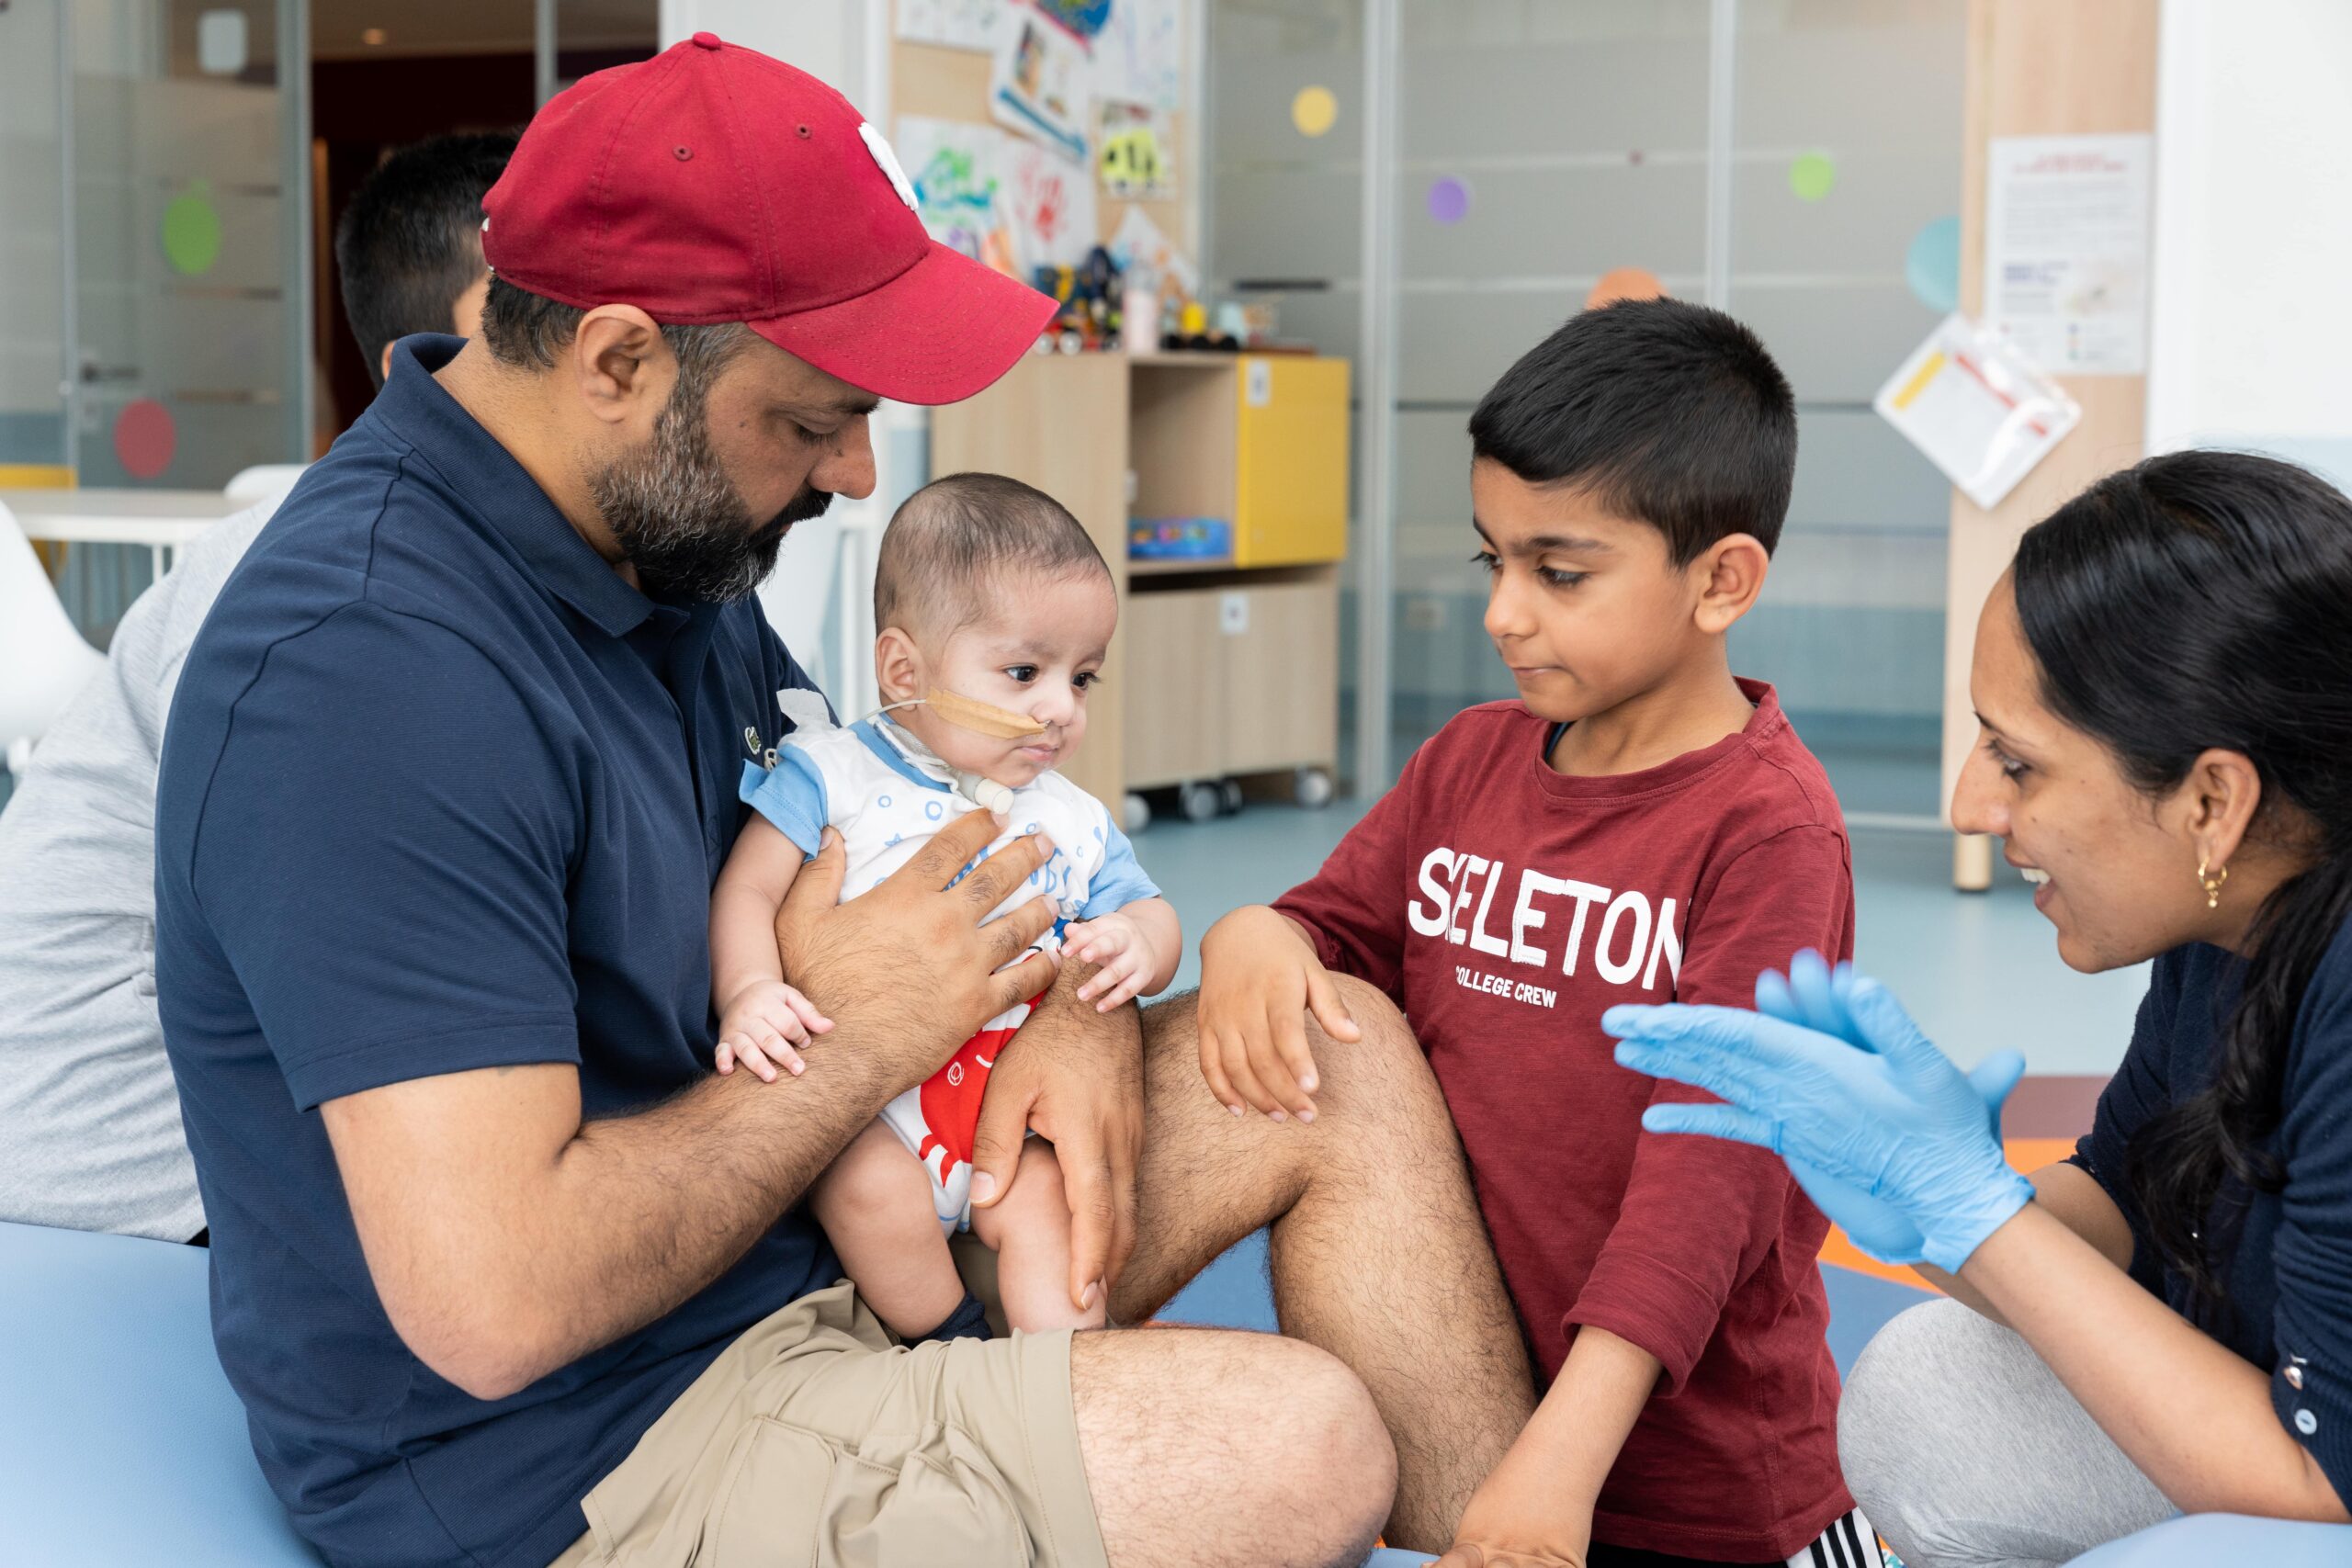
[1119, 881]
[791, 795]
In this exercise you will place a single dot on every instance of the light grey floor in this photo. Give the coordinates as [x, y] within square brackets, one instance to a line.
[1978, 970]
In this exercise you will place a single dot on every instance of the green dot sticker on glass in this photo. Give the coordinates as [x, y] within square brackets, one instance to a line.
[1812, 175]
[192, 230]
[1314, 111]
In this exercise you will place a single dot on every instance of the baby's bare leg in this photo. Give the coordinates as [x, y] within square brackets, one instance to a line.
[874, 1203]
[1029, 1231]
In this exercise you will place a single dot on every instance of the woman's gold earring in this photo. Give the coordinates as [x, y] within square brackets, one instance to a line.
[2213, 885]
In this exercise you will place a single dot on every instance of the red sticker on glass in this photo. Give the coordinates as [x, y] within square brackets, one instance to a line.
[144, 438]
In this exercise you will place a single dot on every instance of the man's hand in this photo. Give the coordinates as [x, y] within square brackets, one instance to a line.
[908, 972]
[1259, 978]
[1515, 1520]
[1075, 1075]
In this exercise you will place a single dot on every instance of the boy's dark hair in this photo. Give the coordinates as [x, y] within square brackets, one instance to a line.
[953, 538]
[1669, 413]
[409, 241]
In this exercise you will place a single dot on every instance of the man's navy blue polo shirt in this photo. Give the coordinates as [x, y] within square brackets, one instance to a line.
[440, 792]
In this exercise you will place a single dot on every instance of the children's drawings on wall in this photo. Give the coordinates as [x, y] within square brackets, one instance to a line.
[1038, 82]
[1139, 55]
[1050, 205]
[1134, 152]
[952, 24]
[1150, 258]
[956, 169]
[1080, 18]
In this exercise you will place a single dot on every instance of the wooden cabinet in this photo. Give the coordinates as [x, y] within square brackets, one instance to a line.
[1220, 668]
[1279, 646]
[1232, 675]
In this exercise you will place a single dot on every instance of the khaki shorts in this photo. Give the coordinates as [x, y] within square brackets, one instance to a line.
[814, 1439]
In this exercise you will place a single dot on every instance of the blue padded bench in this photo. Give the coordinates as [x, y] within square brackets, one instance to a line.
[120, 1441]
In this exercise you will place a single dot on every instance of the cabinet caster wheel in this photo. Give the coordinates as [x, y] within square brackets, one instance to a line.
[1136, 812]
[1313, 787]
[1199, 802]
[1229, 798]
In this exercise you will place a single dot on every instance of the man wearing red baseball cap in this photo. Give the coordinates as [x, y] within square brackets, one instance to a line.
[497, 1257]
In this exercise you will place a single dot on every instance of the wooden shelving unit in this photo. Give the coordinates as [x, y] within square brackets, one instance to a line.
[1222, 670]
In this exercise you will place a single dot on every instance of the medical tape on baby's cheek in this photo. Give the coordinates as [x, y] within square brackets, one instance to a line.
[982, 718]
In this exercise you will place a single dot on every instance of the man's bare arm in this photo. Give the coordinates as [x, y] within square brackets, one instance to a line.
[507, 1238]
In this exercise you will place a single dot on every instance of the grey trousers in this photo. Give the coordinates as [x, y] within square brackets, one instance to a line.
[1966, 1452]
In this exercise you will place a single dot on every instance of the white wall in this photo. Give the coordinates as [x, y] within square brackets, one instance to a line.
[2251, 308]
[828, 38]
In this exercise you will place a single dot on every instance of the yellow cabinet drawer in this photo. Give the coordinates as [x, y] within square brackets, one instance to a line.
[1291, 461]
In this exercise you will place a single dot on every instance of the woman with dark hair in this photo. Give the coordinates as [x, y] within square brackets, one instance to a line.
[2163, 1323]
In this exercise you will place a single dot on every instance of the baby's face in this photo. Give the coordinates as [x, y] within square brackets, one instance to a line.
[1036, 655]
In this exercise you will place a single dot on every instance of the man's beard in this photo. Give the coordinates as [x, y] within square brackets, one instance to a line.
[680, 521]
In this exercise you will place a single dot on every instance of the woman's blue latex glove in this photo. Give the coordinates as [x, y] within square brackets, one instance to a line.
[1814, 995]
[1893, 1120]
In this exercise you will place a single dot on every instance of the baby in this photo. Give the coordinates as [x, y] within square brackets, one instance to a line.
[995, 612]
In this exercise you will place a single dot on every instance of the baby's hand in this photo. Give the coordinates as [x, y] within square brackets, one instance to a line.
[763, 1024]
[1124, 950]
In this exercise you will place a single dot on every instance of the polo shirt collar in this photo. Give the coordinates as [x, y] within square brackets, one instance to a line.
[497, 492]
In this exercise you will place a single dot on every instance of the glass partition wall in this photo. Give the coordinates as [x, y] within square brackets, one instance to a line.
[1484, 168]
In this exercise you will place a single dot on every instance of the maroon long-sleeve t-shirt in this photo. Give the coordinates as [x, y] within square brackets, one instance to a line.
[1505, 907]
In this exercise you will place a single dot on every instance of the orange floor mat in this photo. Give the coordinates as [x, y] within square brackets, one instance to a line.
[2028, 1155]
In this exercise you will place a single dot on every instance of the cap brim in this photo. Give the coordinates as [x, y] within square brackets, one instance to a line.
[938, 332]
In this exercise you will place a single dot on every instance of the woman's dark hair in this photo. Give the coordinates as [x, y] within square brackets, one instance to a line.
[2203, 599]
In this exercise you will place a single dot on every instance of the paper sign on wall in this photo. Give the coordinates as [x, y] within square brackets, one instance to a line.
[1979, 409]
[1038, 80]
[2066, 249]
[1133, 153]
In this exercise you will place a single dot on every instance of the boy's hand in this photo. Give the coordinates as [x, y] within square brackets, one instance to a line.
[762, 1026]
[1515, 1520]
[1125, 953]
[1259, 978]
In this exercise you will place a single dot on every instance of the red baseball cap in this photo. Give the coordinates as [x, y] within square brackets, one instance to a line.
[713, 183]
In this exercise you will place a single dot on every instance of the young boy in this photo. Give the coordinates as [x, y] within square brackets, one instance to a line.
[1639, 825]
[996, 611]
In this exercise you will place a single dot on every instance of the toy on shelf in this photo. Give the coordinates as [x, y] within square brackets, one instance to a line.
[1092, 299]
[1180, 538]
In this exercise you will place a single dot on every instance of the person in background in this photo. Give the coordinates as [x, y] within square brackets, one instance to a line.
[90, 1134]
[409, 246]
